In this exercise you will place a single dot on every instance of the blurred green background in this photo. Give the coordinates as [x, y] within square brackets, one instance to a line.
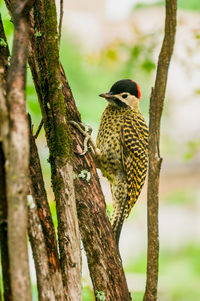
[93, 60]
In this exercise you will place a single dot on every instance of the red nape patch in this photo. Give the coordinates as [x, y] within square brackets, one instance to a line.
[138, 89]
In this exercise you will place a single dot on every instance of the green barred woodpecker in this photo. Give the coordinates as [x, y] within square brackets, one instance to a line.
[121, 150]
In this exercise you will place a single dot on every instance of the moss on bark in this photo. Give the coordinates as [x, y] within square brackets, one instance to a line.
[54, 113]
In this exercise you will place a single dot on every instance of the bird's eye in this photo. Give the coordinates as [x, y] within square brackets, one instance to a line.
[124, 95]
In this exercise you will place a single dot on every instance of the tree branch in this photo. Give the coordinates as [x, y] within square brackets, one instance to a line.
[156, 107]
[3, 229]
[4, 54]
[58, 140]
[37, 240]
[93, 220]
[16, 146]
[42, 234]
[61, 20]
[104, 260]
[39, 129]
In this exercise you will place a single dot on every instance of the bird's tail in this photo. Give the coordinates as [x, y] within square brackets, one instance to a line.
[118, 218]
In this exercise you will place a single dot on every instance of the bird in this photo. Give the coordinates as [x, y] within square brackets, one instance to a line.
[122, 149]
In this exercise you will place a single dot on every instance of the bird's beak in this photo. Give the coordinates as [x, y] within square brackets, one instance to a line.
[106, 95]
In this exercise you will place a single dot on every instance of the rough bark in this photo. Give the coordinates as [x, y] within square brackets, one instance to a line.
[37, 240]
[59, 141]
[104, 261]
[3, 229]
[4, 54]
[16, 147]
[93, 220]
[42, 234]
[156, 108]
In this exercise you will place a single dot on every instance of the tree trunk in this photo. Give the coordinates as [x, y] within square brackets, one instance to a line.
[3, 229]
[37, 240]
[102, 253]
[49, 86]
[42, 234]
[156, 107]
[104, 261]
[4, 54]
[16, 146]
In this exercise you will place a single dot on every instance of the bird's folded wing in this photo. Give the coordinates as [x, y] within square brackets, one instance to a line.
[134, 146]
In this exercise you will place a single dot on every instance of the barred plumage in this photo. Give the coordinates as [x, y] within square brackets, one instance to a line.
[123, 144]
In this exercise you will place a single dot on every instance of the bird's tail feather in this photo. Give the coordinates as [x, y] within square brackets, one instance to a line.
[117, 220]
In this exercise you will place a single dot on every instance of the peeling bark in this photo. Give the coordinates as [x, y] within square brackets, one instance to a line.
[156, 108]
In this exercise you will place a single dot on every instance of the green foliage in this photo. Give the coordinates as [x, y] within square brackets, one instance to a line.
[34, 292]
[54, 214]
[182, 271]
[32, 101]
[2, 43]
[179, 271]
[182, 4]
[138, 265]
[182, 196]
[128, 58]
[137, 296]
[87, 294]
[7, 23]
[192, 149]
[190, 5]
[108, 211]
[86, 81]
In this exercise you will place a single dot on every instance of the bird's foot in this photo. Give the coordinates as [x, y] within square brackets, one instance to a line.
[86, 130]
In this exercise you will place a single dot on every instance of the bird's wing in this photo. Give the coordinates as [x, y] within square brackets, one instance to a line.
[134, 146]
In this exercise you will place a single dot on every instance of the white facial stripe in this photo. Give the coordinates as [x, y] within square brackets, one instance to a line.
[130, 100]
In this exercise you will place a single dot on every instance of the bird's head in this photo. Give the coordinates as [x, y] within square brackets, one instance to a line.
[124, 93]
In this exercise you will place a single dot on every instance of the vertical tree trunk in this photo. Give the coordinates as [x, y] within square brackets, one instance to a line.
[37, 240]
[3, 229]
[104, 261]
[156, 107]
[4, 54]
[59, 143]
[16, 146]
[42, 234]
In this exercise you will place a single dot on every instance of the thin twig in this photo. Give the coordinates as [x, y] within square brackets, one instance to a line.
[61, 20]
[39, 128]
[156, 108]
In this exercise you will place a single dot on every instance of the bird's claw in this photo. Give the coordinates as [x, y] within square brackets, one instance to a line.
[86, 132]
